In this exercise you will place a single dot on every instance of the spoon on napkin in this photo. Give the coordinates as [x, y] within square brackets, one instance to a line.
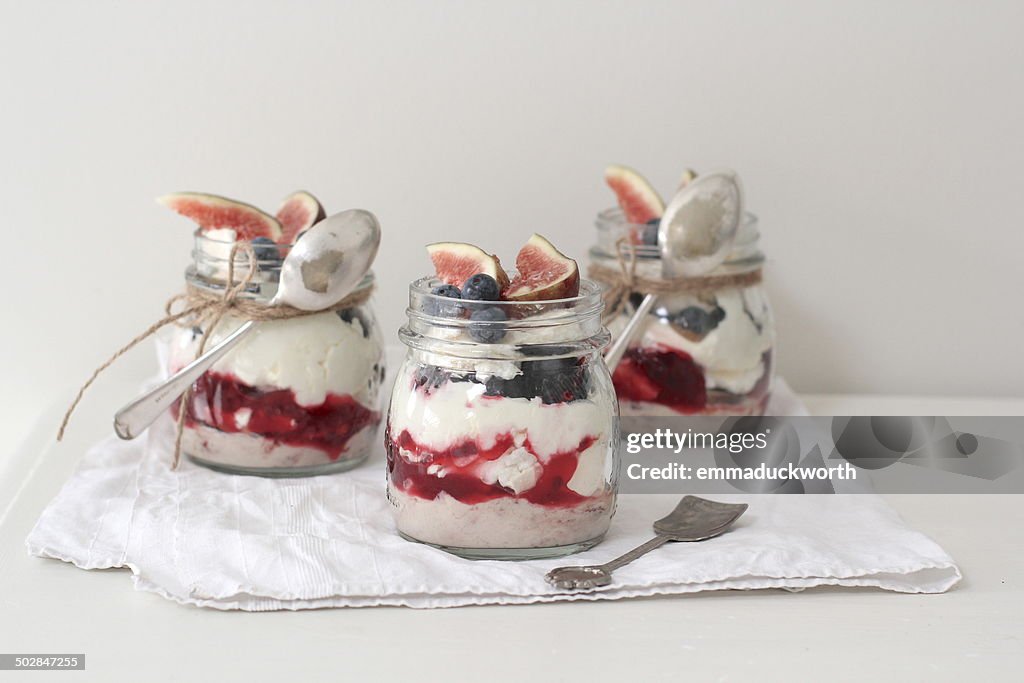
[693, 519]
[324, 267]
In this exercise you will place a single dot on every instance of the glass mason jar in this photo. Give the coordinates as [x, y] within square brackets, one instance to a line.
[298, 397]
[707, 346]
[502, 436]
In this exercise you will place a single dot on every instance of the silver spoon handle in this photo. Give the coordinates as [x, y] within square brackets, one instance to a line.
[619, 346]
[133, 419]
[640, 550]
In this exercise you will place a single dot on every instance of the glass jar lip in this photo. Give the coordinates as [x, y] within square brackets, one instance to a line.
[201, 234]
[588, 300]
[612, 221]
[614, 214]
[256, 287]
[209, 268]
[445, 327]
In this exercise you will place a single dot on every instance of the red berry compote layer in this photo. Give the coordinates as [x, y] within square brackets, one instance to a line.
[299, 393]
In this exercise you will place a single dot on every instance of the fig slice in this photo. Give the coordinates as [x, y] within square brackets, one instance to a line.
[544, 273]
[212, 212]
[640, 202]
[455, 262]
[299, 212]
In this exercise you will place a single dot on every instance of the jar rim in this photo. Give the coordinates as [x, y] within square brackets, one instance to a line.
[257, 287]
[589, 296]
[200, 233]
[572, 323]
[612, 221]
[209, 267]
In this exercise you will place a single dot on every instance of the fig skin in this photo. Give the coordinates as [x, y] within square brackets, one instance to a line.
[544, 273]
[639, 201]
[212, 211]
[456, 262]
[298, 213]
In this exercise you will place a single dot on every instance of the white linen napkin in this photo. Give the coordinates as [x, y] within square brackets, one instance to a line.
[232, 542]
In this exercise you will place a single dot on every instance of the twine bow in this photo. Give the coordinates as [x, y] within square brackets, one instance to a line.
[622, 282]
[206, 310]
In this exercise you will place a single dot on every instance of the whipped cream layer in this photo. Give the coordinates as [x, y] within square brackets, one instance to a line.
[732, 354]
[458, 412]
[312, 356]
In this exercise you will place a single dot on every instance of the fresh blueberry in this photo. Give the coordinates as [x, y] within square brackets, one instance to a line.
[535, 373]
[448, 291]
[554, 380]
[351, 315]
[488, 332]
[517, 387]
[429, 377]
[650, 233]
[697, 320]
[481, 287]
[445, 309]
[557, 380]
[265, 249]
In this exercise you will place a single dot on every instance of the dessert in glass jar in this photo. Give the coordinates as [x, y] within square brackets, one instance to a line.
[299, 396]
[707, 345]
[502, 430]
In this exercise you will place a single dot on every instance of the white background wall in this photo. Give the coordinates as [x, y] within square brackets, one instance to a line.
[880, 142]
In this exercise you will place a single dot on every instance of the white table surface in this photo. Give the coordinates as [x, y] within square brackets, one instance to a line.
[974, 632]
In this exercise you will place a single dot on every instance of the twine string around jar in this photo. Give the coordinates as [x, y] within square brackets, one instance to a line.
[206, 309]
[623, 281]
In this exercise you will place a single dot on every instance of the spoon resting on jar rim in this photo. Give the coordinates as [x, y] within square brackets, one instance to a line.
[324, 267]
[695, 235]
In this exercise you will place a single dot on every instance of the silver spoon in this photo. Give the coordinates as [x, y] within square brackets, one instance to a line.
[695, 235]
[321, 269]
[694, 519]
